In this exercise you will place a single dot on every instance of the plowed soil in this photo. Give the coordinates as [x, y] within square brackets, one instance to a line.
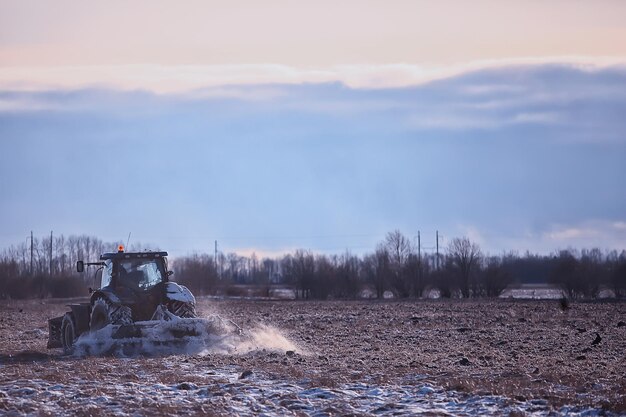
[523, 350]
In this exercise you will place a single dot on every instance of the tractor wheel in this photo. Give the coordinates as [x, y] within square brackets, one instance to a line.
[121, 315]
[182, 309]
[104, 313]
[68, 333]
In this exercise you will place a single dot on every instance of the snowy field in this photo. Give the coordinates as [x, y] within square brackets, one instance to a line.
[435, 357]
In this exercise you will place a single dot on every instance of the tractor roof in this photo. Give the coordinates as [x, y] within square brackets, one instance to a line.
[132, 255]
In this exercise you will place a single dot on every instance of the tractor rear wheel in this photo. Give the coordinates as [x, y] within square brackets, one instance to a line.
[99, 315]
[68, 333]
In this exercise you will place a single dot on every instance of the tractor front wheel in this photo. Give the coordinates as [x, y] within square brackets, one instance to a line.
[182, 309]
[104, 313]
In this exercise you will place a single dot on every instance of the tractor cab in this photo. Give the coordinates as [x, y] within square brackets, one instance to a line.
[137, 271]
[137, 279]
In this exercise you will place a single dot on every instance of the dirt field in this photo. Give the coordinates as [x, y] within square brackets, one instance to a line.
[529, 352]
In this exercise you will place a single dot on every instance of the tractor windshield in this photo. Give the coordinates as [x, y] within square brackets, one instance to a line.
[141, 273]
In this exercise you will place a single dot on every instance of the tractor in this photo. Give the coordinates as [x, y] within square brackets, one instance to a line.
[134, 295]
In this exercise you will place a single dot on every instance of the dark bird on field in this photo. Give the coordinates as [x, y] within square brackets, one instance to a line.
[597, 340]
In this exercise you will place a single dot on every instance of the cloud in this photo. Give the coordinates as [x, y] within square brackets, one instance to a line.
[261, 253]
[316, 159]
[185, 78]
[587, 234]
[459, 122]
[20, 104]
[537, 118]
[562, 234]
[576, 103]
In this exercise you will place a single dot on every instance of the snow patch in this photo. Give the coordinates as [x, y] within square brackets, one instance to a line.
[36, 333]
[263, 396]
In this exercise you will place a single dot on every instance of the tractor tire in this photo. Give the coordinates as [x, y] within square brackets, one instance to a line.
[68, 333]
[182, 309]
[104, 313]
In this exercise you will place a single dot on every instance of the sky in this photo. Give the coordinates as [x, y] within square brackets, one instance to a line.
[272, 126]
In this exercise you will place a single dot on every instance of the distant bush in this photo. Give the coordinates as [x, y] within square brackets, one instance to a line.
[41, 286]
[63, 286]
[446, 281]
[580, 277]
[236, 291]
[197, 272]
[617, 280]
[494, 279]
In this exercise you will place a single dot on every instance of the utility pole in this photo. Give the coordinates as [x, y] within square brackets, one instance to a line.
[437, 250]
[419, 251]
[50, 270]
[31, 252]
[269, 274]
[215, 257]
[419, 257]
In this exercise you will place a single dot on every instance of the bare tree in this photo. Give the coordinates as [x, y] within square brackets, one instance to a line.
[324, 279]
[465, 258]
[234, 264]
[399, 249]
[414, 271]
[377, 270]
[445, 279]
[348, 284]
[299, 269]
[197, 272]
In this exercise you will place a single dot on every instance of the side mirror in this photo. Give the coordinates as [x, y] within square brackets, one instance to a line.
[170, 273]
[80, 266]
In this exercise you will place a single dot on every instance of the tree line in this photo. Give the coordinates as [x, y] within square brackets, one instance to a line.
[395, 268]
[46, 267]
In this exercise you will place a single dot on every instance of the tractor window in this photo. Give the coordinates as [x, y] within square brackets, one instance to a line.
[106, 273]
[140, 273]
